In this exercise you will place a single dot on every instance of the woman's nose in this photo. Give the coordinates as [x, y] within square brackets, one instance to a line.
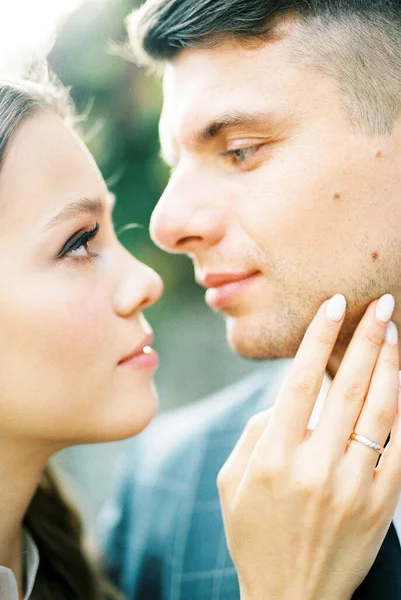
[141, 287]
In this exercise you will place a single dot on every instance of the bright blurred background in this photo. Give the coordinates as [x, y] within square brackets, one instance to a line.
[121, 132]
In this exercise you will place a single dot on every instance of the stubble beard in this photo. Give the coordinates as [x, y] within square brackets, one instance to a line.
[278, 334]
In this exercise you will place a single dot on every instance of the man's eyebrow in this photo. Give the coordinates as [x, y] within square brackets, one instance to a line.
[221, 123]
[228, 120]
[92, 206]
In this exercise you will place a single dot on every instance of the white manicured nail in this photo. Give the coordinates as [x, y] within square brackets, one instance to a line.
[336, 308]
[385, 308]
[392, 334]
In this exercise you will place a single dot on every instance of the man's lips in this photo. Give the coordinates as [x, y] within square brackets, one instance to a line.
[218, 279]
[143, 356]
[223, 287]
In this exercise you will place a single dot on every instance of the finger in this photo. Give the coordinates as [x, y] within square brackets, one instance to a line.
[351, 383]
[233, 471]
[380, 408]
[234, 468]
[387, 480]
[301, 387]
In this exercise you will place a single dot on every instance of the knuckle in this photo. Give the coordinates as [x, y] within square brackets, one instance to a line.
[314, 484]
[351, 493]
[349, 504]
[373, 338]
[257, 423]
[359, 505]
[254, 429]
[313, 478]
[354, 391]
[306, 383]
[380, 510]
[268, 470]
[384, 415]
[220, 481]
[324, 339]
[349, 500]
[224, 477]
[389, 360]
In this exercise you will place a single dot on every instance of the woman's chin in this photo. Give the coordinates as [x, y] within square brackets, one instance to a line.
[132, 422]
[126, 419]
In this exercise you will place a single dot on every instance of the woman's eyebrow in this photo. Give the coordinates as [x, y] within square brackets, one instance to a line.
[92, 206]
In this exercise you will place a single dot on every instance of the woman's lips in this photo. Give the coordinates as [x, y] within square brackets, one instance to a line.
[224, 289]
[143, 357]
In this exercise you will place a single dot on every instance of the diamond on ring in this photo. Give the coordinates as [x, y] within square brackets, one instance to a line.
[367, 442]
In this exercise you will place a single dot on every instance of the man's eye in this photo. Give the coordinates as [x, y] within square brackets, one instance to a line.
[77, 244]
[240, 155]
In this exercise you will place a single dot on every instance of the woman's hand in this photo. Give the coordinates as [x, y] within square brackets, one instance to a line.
[306, 513]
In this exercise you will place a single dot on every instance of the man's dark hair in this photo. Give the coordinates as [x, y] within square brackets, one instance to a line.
[357, 42]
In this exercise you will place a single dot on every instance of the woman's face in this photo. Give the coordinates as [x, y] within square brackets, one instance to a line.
[71, 298]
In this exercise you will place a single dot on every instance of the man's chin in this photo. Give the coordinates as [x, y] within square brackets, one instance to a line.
[258, 342]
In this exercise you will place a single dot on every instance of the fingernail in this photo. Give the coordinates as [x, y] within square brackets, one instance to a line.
[385, 308]
[392, 334]
[336, 308]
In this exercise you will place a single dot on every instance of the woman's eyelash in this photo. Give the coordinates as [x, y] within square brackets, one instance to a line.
[79, 239]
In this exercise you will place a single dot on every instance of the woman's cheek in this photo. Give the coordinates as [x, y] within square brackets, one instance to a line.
[71, 322]
[81, 331]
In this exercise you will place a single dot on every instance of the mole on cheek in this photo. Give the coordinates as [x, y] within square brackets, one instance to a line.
[379, 154]
[375, 256]
[336, 197]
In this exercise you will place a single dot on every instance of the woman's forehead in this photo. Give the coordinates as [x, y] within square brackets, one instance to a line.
[45, 165]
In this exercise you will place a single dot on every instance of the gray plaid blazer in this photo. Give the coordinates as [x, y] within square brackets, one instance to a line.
[164, 537]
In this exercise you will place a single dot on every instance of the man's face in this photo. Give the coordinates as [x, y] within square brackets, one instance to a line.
[272, 186]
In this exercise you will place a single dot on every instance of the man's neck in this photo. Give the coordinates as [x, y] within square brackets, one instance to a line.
[337, 357]
[334, 363]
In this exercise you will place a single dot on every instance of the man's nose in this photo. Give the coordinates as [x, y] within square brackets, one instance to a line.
[186, 219]
[139, 287]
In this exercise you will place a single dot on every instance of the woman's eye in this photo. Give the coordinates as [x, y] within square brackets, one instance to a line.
[82, 251]
[240, 155]
[78, 245]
